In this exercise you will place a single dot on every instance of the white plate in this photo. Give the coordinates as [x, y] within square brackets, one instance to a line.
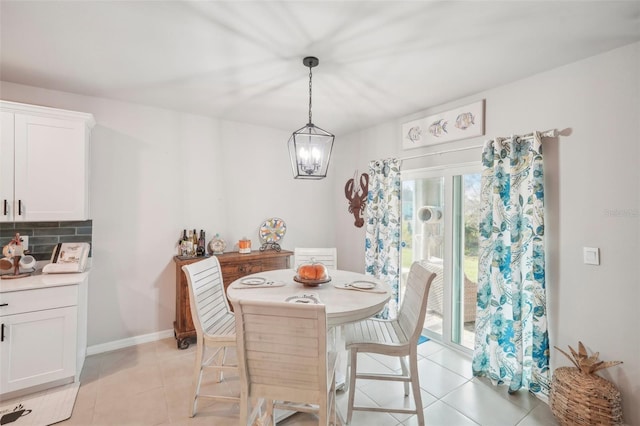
[304, 298]
[363, 285]
[253, 281]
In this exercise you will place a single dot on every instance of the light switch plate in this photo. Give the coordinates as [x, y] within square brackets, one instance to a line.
[591, 255]
[25, 242]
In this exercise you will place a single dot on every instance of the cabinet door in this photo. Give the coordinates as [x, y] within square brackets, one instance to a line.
[6, 167]
[50, 169]
[37, 347]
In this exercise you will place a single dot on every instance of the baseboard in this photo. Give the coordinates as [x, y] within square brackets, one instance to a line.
[129, 341]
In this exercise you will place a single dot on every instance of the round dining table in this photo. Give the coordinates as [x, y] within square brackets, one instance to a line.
[344, 303]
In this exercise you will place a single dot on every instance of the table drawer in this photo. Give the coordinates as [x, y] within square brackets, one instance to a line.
[16, 302]
[241, 269]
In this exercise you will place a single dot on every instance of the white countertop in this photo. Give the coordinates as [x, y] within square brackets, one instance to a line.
[40, 280]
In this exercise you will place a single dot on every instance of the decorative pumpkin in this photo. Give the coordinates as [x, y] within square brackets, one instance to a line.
[312, 271]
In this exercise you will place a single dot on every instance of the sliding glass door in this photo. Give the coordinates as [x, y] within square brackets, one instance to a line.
[440, 229]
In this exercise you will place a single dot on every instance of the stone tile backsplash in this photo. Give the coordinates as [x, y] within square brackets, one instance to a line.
[43, 236]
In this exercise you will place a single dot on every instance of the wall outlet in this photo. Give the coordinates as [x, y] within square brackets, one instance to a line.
[591, 255]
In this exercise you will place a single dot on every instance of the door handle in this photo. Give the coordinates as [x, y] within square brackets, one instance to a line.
[2, 333]
[19, 207]
[4, 304]
[6, 207]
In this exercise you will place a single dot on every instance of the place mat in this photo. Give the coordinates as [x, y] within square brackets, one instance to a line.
[239, 285]
[42, 408]
[357, 287]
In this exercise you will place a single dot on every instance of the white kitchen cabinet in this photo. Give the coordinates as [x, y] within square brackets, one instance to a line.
[42, 335]
[44, 160]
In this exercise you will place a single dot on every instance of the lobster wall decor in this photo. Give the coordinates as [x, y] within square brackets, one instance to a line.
[356, 191]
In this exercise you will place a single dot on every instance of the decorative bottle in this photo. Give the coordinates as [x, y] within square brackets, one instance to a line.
[189, 244]
[201, 250]
[182, 244]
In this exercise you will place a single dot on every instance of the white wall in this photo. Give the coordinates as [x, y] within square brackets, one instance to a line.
[146, 188]
[592, 196]
[155, 172]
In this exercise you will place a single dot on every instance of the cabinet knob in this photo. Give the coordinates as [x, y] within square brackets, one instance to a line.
[19, 207]
[5, 208]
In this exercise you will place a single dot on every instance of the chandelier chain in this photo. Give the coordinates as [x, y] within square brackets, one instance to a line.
[310, 75]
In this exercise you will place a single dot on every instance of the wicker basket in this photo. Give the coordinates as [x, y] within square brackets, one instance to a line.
[578, 398]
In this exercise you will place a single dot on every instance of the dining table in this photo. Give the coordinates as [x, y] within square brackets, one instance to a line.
[348, 297]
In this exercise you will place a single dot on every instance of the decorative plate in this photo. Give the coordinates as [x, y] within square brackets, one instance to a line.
[304, 298]
[363, 285]
[253, 281]
[311, 283]
[272, 230]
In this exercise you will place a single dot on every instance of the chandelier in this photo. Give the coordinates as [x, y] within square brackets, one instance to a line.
[310, 147]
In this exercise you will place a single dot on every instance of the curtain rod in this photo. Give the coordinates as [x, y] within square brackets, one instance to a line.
[546, 134]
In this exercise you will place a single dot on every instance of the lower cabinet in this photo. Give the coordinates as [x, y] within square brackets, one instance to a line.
[36, 348]
[234, 265]
[42, 337]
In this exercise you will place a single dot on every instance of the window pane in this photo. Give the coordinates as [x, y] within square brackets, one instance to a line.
[469, 288]
[422, 235]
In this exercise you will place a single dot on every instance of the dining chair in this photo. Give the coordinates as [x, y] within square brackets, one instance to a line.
[284, 359]
[214, 324]
[328, 256]
[397, 337]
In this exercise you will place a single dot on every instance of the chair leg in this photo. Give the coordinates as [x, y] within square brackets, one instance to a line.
[405, 372]
[323, 413]
[244, 409]
[271, 413]
[415, 385]
[220, 357]
[353, 370]
[251, 411]
[338, 346]
[332, 403]
[347, 372]
[197, 378]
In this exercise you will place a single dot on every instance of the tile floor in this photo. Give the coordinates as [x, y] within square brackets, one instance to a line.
[150, 384]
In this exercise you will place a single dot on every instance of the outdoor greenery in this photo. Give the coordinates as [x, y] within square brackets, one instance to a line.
[471, 267]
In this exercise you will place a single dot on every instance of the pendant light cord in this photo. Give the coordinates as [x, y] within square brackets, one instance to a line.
[310, 95]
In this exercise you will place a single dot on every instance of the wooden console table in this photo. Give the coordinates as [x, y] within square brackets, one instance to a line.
[234, 265]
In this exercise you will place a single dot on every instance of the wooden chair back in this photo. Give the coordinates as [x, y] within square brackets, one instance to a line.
[414, 304]
[327, 256]
[283, 358]
[282, 351]
[207, 298]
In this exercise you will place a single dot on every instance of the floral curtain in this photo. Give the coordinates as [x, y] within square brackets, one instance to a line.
[382, 242]
[511, 340]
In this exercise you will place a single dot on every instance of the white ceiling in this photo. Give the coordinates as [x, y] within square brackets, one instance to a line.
[242, 60]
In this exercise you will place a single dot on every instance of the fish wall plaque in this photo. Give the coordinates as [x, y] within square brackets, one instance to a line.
[455, 124]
